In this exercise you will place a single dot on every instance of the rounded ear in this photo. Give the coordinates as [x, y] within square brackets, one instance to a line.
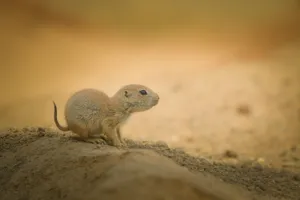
[127, 94]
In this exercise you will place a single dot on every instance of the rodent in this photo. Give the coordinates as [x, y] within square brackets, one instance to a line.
[90, 113]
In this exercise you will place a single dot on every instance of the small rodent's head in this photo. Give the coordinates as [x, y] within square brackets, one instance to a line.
[137, 98]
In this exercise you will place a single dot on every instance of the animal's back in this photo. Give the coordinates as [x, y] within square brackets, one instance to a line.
[85, 106]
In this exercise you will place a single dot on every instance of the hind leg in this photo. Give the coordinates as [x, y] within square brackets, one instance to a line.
[80, 131]
[87, 135]
[97, 139]
[93, 139]
[97, 132]
[95, 135]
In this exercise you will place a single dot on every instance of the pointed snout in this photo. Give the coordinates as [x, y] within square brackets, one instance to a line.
[155, 100]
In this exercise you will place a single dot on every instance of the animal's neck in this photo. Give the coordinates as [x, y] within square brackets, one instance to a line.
[120, 105]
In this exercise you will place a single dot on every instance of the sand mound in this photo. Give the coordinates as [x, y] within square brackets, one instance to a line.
[42, 164]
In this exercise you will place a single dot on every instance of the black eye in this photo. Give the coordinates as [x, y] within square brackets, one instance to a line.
[143, 92]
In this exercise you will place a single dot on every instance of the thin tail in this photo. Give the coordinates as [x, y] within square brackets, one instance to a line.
[60, 127]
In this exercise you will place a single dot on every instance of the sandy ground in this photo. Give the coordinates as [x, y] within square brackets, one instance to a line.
[38, 163]
[229, 94]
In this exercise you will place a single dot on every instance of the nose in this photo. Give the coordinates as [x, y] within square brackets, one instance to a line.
[156, 100]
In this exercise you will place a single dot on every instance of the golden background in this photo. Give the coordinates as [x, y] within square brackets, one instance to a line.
[227, 72]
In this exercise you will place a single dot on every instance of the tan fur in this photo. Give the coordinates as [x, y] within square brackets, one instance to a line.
[91, 114]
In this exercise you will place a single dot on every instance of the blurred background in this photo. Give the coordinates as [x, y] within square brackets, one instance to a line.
[227, 72]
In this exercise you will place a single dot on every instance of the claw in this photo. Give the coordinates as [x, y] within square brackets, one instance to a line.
[95, 141]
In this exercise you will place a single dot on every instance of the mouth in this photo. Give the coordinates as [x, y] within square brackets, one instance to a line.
[155, 102]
